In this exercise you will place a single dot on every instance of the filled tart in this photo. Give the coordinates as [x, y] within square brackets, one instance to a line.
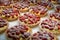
[55, 1]
[50, 26]
[20, 32]
[43, 36]
[3, 25]
[55, 16]
[47, 4]
[58, 8]
[9, 14]
[22, 6]
[38, 10]
[29, 19]
[5, 3]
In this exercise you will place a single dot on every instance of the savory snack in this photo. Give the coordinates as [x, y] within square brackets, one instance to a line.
[50, 26]
[58, 8]
[55, 16]
[9, 14]
[22, 6]
[3, 25]
[43, 36]
[29, 19]
[38, 10]
[20, 32]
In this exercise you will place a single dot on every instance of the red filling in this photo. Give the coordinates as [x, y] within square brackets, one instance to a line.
[42, 36]
[30, 17]
[58, 8]
[49, 24]
[53, 0]
[2, 23]
[42, 9]
[59, 25]
[15, 32]
[10, 12]
[55, 15]
[21, 5]
[5, 2]
[44, 4]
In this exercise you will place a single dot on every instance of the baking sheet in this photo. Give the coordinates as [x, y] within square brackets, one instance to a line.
[13, 23]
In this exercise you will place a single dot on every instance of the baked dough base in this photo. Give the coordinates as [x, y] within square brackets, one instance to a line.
[10, 18]
[3, 29]
[29, 31]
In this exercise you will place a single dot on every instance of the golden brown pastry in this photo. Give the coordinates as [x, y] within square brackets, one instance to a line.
[47, 4]
[43, 36]
[22, 6]
[38, 10]
[3, 25]
[10, 14]
[20, 32]
[50, 26]
[29, 19]
[55, 16]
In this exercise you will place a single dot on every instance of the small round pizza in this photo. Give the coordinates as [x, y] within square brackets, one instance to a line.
[9, 14]
[47, 4]
[55, 16]
[50, 26]
[19, 32]
[29, 19]
[58, 8]
[43, 36]
[3, 25]
[38, 10]
[22, 6]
